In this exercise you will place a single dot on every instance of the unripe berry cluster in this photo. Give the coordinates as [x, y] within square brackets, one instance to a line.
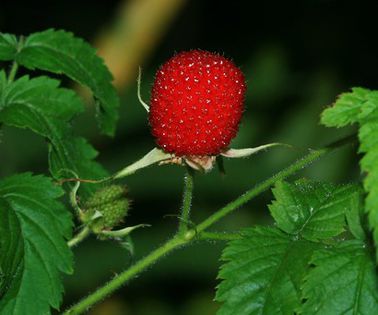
[111, 205]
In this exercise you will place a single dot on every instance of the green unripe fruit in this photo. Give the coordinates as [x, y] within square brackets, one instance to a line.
[106, 208]
[105, 195]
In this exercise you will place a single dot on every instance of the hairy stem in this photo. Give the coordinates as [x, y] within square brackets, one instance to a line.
[14, 68]
[13, 71]
[219, 236]
[263, 186]
[189, 235]
[125, 276]
[186, 201]
[79, 237]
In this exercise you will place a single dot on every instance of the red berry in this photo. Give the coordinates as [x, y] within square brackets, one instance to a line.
[196, 103]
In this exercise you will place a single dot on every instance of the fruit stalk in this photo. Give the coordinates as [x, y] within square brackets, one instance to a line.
[186, 201]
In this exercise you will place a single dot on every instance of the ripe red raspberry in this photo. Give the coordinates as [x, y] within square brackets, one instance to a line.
[196, 103]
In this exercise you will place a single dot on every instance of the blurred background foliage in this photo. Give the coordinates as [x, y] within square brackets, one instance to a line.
[297, 57]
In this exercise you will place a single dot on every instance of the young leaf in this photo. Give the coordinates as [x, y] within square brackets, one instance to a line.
[263, 273]
[60, 52]
[34, 227]
[365, 113]
[41, 106]
[346, 109]
[312, 210]
[344, 281]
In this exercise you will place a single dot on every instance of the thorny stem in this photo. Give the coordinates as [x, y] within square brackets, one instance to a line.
[186, 201]
[188, 236]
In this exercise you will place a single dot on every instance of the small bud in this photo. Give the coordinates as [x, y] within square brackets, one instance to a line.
[106, 208]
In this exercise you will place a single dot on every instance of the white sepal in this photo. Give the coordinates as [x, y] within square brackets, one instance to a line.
[154, 156]
[240, 153]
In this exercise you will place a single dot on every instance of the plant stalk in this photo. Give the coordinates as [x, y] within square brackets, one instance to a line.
[260, 188]
[13, 72]
[119, 280]
[219, 236]
[186, 201]
[188, 236]
[263, 186]
[79, 237]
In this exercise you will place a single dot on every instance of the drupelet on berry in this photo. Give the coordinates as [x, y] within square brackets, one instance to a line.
[196, 103]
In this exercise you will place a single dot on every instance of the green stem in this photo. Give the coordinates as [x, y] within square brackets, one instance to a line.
[263, 186]
[247, 196]
[186, 201]
[13, 72]
[219, 236]
[14, 68]
[79, 237]
[125, 276]
[73, 200]
[185, 238]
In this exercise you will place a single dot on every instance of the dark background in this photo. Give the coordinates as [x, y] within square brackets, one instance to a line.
[297, 57]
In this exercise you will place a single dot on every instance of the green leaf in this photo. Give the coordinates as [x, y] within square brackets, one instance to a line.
[344, 281]
[365, 112]
[34, 227]
[346, 109]
[8, 46]
[368, 136]
[60, 52]
[41, 106]
[312, 210]
[355, 217]
[263, 273]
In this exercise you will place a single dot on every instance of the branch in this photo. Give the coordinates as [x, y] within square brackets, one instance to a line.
[263, 186]
[219, 236]
[125, 276]
[187, 237]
